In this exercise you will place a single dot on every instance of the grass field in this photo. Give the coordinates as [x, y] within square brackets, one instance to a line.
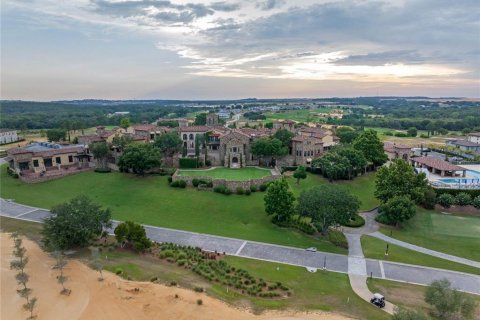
[228, 174]
[408, 295]
[375, 249]
[150, 200]
[453, 234]
[302, 115]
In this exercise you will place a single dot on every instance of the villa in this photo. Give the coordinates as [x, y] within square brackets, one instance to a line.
[42, 160]
[396, 151]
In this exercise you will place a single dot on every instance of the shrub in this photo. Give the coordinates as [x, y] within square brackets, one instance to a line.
[253, 188]
[356, 222]
[227, 191]
[153, 279]
[182, 184]
[209, 184]
[220, 189]
[424, 136]
[401, 134]
[476, 202]
[240, 190]
[199, 302]
[337, 238]
[208, 163]
[169, 179]
[429, 199]
[188, 163]
[263, 187]
[118, 271]
[103, 170]
[173, 283]
[384, 219]
[388, 133]
[248, 192]
[198, 289]
[463, 199]
[195, 182]
[446, 200]
[174, 184]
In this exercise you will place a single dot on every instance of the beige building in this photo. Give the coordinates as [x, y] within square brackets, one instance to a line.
[305, 149]
[396, 151]
[8, 136]
[47, 159]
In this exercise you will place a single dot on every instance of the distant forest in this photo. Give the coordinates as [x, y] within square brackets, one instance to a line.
[389, 112]
[423, 115]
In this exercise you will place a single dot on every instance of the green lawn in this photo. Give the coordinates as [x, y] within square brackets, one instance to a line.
[302, 115]
[375, 248]
[408, 295]
[362, 186]
[240, 174]
[150, 200]
[326, 291]
[452, 234]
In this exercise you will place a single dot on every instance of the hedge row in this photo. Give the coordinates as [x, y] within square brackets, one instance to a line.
[188, 163]
[472, 192]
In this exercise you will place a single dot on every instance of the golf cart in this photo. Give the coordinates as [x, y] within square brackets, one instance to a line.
[378, 300]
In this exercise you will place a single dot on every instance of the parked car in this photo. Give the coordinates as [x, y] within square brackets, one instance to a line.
[378, 300]
[312, 249]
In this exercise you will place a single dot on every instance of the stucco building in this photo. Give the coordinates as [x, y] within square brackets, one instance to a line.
[8, 136]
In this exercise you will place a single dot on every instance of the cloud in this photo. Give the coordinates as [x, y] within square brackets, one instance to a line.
[269, 4]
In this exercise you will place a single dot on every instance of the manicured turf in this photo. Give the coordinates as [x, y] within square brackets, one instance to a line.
[452, 234]
[302, 115]
[408, 295]
[326, 291]
[362, 186]
[228, 174]
[150, 200]
[375, 248]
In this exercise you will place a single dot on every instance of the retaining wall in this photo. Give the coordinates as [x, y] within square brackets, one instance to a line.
[230, 184]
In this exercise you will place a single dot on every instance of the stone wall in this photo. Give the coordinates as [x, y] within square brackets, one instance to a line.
[232, 185]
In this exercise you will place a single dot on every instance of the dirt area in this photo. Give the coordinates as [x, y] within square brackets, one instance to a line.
[113, 298]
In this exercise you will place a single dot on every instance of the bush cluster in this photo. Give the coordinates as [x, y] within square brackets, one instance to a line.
[338, 238]
[355, 222]
[196, 182]
[207, 266]
[178, 184]
[103, 170]
[298, 224]
[188, 163]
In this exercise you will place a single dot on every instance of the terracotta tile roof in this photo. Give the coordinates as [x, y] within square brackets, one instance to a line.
[195, 129]
[437, 164]
[474, 134]
[145, 127]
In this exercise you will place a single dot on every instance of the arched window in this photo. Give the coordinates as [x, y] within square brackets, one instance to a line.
[184, 136]
[191, 136]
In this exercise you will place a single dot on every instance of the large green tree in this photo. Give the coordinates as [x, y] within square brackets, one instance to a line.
[132, 233]
[55, 135]
[279, 201]
[201, 119]
[269, 147]
[139, 158]
[300, 173]
[356, 160]
[75, 223]
[168, 143]
[285, 136]
[371, 147]
[125, 123]
[346, 134]
[398, 209]
[101, 151]
[400, 179]
[327, 205]
[333, 166]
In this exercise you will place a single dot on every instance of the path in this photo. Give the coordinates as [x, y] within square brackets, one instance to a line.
[357, 271]
[277, 253]
[437, 254]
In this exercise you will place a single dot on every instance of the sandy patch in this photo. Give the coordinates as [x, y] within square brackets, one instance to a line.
[113, 298]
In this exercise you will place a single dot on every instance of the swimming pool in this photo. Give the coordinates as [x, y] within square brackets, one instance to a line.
[473, 177]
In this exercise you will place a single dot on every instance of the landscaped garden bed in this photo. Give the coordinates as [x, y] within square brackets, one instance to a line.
[241, 174]
[212, 268]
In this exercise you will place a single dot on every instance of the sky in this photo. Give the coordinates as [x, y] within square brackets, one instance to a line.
[175, 49]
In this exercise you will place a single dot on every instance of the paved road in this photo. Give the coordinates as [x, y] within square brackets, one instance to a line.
[277, 253]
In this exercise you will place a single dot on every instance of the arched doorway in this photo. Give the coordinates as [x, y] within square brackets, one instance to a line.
[234, 160]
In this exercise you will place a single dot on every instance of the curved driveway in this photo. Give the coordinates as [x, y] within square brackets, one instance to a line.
[277, 253]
